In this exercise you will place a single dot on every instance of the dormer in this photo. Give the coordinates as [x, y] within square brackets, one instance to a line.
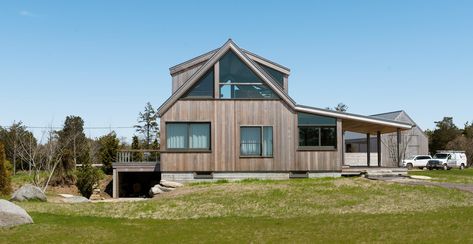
[184, 71]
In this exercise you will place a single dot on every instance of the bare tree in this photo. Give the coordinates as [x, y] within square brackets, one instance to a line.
[390, 141]
[43, 156]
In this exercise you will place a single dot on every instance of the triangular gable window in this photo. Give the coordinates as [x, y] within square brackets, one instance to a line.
[238, 81]
[276, 75]
[204, 88]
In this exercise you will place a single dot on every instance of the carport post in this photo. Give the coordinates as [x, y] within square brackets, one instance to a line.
[398, 147]
[378, 143]
[368, 149]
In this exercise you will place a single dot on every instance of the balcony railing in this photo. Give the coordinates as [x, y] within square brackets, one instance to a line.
[138, 156]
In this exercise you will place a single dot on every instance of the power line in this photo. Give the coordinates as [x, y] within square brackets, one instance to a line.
[85, 128]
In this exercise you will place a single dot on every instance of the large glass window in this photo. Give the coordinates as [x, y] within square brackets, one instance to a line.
[238, 81]
[277, 76]
[256, 141]
[204, 87]
[193, 136]
[317, 132]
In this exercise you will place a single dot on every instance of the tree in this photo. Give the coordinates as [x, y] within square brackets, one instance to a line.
[147, 124]
[76, 150]
[11, 137]
[444, 132]
[390, 141]
[108, 148]
[87, 178]
[135, 145]
[5, 177]
[341, 107]
[42, 157]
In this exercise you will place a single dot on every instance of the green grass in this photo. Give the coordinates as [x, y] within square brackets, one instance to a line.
[306, 210]
[428, 227]
[452, 176]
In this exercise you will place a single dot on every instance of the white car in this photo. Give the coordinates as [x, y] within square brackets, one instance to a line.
[417, 161]
[448, 160]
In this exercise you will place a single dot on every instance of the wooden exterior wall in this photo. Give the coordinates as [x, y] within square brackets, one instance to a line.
[226, 117]
[179, 78]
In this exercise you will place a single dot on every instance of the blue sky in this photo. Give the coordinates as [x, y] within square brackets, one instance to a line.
[103, 60]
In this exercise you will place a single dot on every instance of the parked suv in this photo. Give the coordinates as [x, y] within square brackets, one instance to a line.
[418, 161]
[447, 160]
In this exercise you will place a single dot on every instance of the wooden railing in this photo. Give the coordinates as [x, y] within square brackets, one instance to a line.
[138, 156]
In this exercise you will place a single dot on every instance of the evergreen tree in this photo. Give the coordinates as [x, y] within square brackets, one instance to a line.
[444, 132]
[5, 177]
[135, 145]
[147, 124]
[87, 178]
[75, 150]
[108, 150]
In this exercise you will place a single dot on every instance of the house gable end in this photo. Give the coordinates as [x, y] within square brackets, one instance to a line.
[228, 46]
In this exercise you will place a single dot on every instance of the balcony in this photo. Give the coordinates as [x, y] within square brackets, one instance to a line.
[138, 156]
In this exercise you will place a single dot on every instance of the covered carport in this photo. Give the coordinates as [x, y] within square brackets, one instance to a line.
[367, 125]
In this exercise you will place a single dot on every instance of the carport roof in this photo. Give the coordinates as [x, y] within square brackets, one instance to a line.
[359, 123]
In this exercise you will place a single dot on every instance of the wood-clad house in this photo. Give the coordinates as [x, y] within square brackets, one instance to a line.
[230, 117]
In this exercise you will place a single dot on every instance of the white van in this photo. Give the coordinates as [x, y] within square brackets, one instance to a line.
[451, 159]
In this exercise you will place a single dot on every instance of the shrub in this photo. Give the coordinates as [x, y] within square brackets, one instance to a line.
[5, 177]
[87, 178]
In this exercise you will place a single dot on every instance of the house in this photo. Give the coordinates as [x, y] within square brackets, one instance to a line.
[413, 142]
[230, 116]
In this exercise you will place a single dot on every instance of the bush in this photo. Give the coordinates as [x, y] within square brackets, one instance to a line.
[87, 178]
[5, 176]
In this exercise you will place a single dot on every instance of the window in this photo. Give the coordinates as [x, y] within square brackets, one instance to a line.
[256, 141]
[191, 136]
[204, 88]
[317, 132]
[237, 81]
[277, 76]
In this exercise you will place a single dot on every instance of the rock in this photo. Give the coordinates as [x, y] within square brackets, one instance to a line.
[12, 215]
[171, 184]
[75, 199]
[155, 190]
[420, 177]
[65, 195]
[27, 193]
[95, 194]
[164, 189]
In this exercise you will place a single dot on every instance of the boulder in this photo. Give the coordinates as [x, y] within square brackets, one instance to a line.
[155, 190]
[75, 199]
[12, 215]
[27, 193]
[163, 188]
[95, 194]
[65, 195]
[171, 184]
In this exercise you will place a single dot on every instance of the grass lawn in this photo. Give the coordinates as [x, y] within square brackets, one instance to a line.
[312, 210]
[452, 176]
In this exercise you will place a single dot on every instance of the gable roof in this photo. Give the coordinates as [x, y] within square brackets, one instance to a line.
[395, 115]
[206, 56]
[229, 45]
[210, 58]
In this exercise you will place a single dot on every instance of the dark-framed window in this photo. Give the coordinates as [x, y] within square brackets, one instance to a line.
[238, 81]
[204, 88]
[276, 75]
[256, 141]
[188, 135]
[317, 132]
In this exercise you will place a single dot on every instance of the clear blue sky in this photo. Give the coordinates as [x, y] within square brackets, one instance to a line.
[103, 60]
